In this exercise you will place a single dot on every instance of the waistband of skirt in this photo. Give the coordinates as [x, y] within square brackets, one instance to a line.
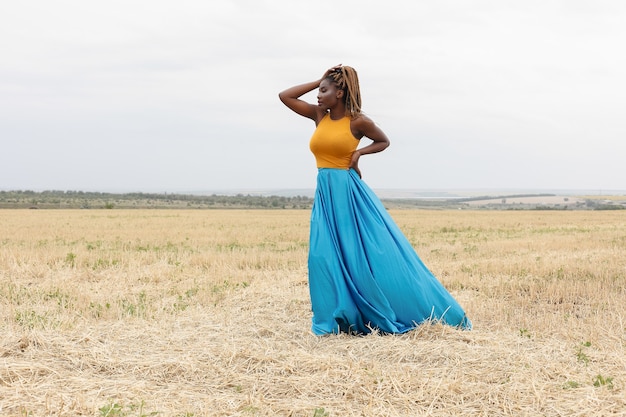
[334, 169]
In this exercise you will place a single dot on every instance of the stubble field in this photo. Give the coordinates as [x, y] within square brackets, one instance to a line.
[206, 313]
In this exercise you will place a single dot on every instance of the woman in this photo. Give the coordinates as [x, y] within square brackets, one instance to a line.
[363, 273]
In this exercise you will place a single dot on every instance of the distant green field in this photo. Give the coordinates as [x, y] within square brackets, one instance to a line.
[97, 200]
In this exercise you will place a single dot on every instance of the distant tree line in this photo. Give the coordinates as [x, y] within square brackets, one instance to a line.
[87, 199]
[55, 199]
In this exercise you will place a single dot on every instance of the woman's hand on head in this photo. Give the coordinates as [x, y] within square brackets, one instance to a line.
[331, 70]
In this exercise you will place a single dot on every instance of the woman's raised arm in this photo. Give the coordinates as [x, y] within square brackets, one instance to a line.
[291, 98]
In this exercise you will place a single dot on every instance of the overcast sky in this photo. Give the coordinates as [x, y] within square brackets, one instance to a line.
[179, 96]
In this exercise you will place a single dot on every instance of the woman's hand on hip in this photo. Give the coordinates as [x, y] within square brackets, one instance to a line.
[354, 162]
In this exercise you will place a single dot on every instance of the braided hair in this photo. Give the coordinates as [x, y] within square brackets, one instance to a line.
[347, 80]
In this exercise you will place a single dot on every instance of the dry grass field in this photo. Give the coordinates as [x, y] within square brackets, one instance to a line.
[206, 313]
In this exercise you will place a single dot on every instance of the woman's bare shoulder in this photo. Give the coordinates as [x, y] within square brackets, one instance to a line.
[361, 120]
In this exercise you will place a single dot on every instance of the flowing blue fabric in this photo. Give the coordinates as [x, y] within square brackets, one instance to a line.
[363, 272]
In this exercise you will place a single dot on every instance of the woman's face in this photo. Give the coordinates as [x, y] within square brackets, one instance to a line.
[328, 95]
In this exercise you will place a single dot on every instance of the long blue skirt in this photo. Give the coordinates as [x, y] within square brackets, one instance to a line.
[364, 274]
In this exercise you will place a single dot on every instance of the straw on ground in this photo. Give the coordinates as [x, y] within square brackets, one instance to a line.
[194, 313]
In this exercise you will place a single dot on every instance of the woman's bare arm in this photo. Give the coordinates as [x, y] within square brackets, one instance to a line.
[365, 127]
[291, 98]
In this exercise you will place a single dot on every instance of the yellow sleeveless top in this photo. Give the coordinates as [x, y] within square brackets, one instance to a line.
[332, 143]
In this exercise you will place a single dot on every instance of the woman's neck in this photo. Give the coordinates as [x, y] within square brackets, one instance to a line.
[337, 113]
